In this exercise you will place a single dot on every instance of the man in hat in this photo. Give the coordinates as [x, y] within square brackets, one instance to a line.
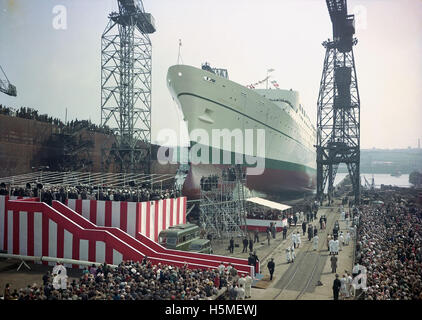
[250, 245]
[231, 245]
[250, 259]
[304, 227]
[310, 232]
[271, 267]
[333, 263]
[255, 259]
[336, 287]
[284, 232]
[245, 245]
[256, 236]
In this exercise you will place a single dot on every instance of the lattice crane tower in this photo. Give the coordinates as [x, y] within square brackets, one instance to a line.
[338, 118]
[126, 68]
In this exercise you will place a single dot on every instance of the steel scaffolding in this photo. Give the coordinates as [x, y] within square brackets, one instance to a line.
[222, 204]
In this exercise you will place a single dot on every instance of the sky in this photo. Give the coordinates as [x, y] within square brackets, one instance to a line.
[54, 69]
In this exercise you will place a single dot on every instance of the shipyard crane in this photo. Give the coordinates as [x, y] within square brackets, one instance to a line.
[338, 118]
[126, 69]
[5, 85]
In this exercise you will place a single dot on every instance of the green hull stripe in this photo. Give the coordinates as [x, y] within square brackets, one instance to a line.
[269, 163]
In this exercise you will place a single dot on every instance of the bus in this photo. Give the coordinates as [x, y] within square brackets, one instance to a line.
[184, 237]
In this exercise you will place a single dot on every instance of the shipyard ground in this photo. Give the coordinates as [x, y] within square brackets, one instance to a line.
[294, 281]
[298, 280]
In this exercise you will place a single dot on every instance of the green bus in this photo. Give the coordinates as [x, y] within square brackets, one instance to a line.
[184, 237]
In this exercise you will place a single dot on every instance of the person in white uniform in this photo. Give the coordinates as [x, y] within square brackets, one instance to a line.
[298, 239]
[341, 242]
[241, 292]
[348, 284]
[294, 241]
[59, 267]
[288, 256]
[336, 246]
[248, 286]
[292, 254]
[242, 281]
[315, 242]
[331, 246]
[347, 238]
[343, 287]
[221, 268]
[60, 281]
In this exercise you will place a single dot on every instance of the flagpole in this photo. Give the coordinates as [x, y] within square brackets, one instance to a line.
[268, 72]
[179, 57]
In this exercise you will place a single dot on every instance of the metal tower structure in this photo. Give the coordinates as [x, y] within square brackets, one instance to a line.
[222, 204]
[126, 67]
[338, 118]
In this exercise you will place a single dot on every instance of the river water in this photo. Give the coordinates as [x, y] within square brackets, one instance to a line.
[386, 179]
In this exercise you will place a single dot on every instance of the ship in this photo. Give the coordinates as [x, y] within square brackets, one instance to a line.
[210, 101]
[396, 174]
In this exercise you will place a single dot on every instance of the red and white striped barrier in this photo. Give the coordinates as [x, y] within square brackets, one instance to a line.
[154, 250]
[261, 225]
[3, 203]
[147, 218]
[36, 229]
[30, 228]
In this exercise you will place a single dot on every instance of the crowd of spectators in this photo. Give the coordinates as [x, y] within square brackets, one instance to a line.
[262, 214]
[212, 181]
[134, 281]
[71, 126]
[389, 246]
[62, 193]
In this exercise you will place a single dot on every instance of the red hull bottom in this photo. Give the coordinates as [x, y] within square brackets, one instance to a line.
[271, 182]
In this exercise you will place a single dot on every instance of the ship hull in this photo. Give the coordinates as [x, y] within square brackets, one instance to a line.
[280, 183]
